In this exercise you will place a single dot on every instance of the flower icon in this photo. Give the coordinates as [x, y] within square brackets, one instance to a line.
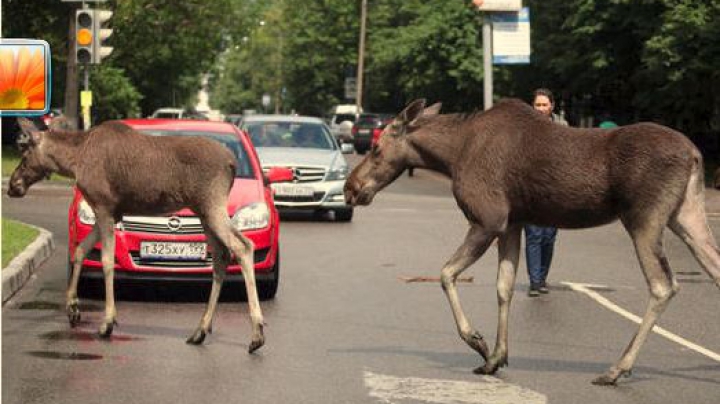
[22, 78]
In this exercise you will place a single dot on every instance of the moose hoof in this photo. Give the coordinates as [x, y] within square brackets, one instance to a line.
[604, 380]
[487, 369]
[477, 342]
[197, 338]
[106, 329]
[256, 344]
[73, 314]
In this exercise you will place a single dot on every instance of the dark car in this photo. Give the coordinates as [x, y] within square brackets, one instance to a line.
[367, 127]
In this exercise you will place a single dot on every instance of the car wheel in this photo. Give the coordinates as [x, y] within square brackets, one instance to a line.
[267, 289]
[344, 215]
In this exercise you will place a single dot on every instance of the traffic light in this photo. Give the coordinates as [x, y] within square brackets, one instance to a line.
[84, 22]
[90, 35]
[101, 34]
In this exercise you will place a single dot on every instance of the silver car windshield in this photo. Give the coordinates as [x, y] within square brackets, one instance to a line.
[289, 134]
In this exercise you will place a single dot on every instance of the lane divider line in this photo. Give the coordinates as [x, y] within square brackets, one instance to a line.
[585, 288]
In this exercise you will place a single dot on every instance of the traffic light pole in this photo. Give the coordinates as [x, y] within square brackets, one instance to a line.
[83, 101]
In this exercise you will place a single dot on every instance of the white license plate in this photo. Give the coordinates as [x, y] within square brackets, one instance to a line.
[364, 131]
[164, 250]
[292, 190]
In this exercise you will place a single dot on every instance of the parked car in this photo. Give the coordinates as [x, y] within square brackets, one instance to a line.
[173, 247]
[367, 130]
[305, 145]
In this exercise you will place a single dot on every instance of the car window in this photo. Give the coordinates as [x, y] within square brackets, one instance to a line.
[244, 168]
[290, 134]
[344, 117]
[167, 115]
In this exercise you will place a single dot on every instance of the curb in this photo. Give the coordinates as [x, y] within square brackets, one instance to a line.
[19, 270]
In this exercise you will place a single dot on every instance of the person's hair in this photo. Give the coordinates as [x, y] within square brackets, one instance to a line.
[546, 92]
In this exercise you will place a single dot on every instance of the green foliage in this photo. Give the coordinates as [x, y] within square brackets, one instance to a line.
[114, 96]
[165, 46]
[46, 20]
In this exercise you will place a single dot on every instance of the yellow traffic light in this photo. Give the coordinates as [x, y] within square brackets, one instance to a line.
[84, 37]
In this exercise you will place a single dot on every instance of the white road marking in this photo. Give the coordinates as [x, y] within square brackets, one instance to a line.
[585, 288]
[488, 390]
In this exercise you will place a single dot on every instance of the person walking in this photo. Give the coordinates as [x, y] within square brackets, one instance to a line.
[540, 241]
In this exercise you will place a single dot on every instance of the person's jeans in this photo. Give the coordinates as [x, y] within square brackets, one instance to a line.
[539, 244]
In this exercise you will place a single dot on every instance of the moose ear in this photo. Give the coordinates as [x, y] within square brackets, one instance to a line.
[29, 134]
[413, 111]
[26, 126]
[433, 109]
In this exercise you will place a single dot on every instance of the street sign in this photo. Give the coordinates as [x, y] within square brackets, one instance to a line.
[498, 5]
[350, 88]
[511, 37]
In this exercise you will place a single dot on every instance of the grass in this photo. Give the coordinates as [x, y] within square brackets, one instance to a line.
[15, 237]
[11, 159]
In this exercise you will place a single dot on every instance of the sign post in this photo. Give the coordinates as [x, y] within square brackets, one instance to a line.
[491, 7]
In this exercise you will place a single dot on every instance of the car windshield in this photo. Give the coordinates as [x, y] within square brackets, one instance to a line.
[290, 134]
[244, 168]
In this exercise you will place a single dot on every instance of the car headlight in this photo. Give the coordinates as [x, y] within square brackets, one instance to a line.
[250, 217]
[338, 173]
[85, 213]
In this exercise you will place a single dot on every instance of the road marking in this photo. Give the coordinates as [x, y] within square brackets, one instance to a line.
[488, 390]
[585, 288]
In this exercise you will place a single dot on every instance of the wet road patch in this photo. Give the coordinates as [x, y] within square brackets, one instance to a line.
[72, 356]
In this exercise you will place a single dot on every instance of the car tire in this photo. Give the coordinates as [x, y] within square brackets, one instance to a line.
[344, 215]
[267, 289]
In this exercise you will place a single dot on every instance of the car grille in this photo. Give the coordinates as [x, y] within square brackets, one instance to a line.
[162, 225]
[305, 173]
[316, 197]
[260, 256]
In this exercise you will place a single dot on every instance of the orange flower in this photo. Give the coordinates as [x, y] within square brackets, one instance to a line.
[22, 79]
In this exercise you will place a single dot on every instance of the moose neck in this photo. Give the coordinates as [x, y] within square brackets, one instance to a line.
[65, 150]
[437, 146]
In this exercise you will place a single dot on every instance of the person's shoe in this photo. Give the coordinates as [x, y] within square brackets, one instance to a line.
[543, 289]
[534, 291]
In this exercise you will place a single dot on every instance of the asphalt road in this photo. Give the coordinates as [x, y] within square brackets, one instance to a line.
[347, 328]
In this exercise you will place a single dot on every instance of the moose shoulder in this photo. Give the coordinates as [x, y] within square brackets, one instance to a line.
[511, 166]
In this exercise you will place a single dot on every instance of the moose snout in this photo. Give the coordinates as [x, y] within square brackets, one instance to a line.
[357, 193]
[16, 189]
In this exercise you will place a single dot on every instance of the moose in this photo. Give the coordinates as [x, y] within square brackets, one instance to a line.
[510, 166]
[123, 172]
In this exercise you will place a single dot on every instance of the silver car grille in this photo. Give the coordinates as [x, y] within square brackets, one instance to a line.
[305, 173]
[162, 225]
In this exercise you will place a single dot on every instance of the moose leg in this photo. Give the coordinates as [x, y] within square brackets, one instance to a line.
[690, 224]
[107, 233]
[509, 255]
[662, 285]
[243, 250]
[72, 303]
[476, 243]
[221, 259]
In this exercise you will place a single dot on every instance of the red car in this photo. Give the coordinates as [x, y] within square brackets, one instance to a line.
[173, 247]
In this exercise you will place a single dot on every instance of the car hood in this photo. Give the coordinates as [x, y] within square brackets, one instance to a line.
[296, 156]
[243, 192]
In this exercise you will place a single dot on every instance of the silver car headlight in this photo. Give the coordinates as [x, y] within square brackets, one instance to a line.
[337, 173]
[251, 217]
[85, 213]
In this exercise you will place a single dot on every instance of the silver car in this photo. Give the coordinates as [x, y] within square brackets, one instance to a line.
[305, 145]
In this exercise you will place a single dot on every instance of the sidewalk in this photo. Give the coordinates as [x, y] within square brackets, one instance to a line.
[22, 267]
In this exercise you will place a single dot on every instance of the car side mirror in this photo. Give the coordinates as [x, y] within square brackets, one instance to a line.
[279, 174]
[347, 148]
